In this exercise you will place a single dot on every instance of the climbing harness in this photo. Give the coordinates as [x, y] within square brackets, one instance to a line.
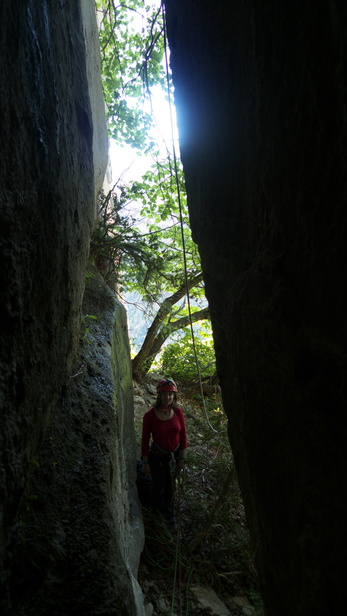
[155, 449]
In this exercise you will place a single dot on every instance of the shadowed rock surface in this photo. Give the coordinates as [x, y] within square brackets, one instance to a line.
[260, 93]
[71, 532]
[260, 90]
[81, 531]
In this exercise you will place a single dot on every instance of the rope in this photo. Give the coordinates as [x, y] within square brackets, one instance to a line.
[178, 561]
[164, 559]
[163, 552]
[181, 219]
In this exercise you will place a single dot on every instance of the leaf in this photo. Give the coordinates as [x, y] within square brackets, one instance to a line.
[143, 253]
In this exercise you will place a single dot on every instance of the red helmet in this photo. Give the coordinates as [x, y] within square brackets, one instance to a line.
[166, 385]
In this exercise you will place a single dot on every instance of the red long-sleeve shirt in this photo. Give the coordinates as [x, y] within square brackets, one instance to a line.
[166, 433]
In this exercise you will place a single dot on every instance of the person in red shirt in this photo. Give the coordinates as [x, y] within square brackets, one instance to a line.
[164, 445]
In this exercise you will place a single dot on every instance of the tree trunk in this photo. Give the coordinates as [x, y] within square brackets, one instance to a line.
[164, 310]
[169, 329]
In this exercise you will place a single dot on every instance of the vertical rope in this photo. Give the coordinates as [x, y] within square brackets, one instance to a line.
[181, 217]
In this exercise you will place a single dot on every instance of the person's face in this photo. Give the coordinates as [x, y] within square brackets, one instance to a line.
[166, 397]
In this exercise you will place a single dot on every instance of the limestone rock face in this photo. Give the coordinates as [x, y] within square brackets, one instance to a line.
[70, 531]
[46, 210]
[81, 536]
[259, 89]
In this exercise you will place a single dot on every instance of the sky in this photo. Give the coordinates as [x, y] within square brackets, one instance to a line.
[125, 161]
[129, 166]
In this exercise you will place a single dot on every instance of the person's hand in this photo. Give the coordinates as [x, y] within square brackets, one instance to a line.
[180, 465]
[146, 469]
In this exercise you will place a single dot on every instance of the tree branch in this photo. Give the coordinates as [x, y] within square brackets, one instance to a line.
[158, 320]
[174, 326]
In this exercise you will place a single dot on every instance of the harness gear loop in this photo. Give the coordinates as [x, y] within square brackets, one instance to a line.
[160, 450]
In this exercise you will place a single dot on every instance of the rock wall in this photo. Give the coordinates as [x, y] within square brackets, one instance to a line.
[81, 532]
[260, 94]
[100, 138]
[70, 533]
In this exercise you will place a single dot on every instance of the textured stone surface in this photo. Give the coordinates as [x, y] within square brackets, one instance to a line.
[83, 530]
[209, 600]
[46, 209]
[100, 138]
[260, 93]
[70, 530]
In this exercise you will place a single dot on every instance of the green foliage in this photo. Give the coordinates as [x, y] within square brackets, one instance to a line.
[146, 254]
[152, 255]
[132, 52]
[146, 251]
[165, 223]
[178, 358]
[132, 47]
[117, 245]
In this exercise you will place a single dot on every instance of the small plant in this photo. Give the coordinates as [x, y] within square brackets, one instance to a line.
[87, 329]
[178, 358]
[115, 241]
